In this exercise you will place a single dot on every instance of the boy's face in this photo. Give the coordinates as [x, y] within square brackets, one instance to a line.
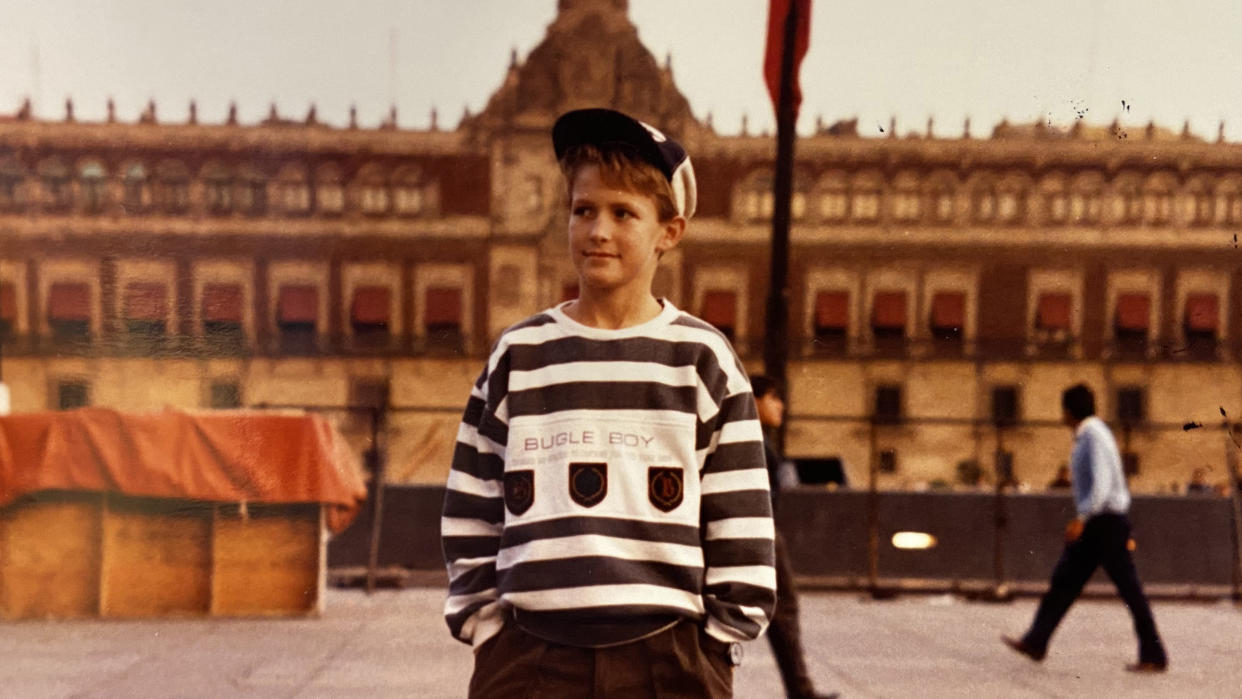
[771, 408]
[615, 235]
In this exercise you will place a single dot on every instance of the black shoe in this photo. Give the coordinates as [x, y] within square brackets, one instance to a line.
[1147, 667]
[1020, 646]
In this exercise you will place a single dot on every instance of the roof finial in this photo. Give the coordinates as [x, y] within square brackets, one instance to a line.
[1220, 131]
[435, 119]
[232, 120]
[745, 125]
[193, 112]
[148, 117]
[312, 115]
[68, 109]
[111, 111]
[892, 126]
[353, 116]
[24, 112]
[1185, 128]
[272, 115]
[931, 121]
[513, 59]
[966, 127]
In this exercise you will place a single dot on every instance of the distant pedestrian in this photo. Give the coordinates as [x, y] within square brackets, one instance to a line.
[1198, 484]
[785, 631]
[1100, 535]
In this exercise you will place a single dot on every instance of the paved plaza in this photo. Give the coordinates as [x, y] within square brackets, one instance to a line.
[394, 644]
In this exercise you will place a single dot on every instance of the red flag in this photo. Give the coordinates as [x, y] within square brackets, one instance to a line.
[778, 14]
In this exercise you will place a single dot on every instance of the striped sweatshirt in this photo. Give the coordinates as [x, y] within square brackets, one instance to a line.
[606, 484]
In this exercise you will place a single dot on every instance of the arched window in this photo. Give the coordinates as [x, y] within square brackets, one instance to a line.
[1011, 194]
[292, 190]
[1055, 199]
[1158, 199]
[983, 199]
[329, 190]
[172, 187]
[251, 193]
[907, 199]
[942, 189]
[137, 189]
[1198, 203]
[217, 188]
[1086, 198]
[57, 191]
[372, 190]
[92, 180]
[413, 193]
[753, 197]
[832, 197]
[865, 188]
[1229, 201]
[12, 183]
[1127, 199]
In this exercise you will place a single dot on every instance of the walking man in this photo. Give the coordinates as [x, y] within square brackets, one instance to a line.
[1100, 535]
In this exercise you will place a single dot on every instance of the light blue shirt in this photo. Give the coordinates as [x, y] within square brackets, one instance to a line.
[1099, 483]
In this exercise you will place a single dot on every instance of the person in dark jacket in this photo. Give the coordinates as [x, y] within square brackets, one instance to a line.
[784, 633]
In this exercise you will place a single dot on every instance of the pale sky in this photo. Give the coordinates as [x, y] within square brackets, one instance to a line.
[989, 59]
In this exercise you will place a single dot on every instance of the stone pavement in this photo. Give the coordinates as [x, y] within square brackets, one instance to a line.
[393, 644]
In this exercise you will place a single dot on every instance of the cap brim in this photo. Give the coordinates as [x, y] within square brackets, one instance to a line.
[601, 127]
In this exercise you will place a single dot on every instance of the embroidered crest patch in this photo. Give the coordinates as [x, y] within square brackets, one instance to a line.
[519, 490]
[588, 483]
[665, 487]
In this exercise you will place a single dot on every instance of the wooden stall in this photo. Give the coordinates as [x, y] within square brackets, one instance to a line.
[111, 515]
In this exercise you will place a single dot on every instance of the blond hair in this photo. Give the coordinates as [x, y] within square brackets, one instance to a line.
[620, 168]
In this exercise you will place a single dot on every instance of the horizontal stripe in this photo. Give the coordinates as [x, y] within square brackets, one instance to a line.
[733, 595]
[739, 503]
[736, 456]
[473, 414]
[464, 564]
[741, 431]
[455, 604]
[456, 547]
[463, 482]
[729, 553]
[495, 432]
[467, 506]
[725, 481]
[484, 466]
[572, 573]
[737, 407]
[471, 437]
[605, 596]
[593, 372]
[740, 528]
[465, 527]
[627, 549]
[604, 526]
[758, 576]
[737, 627]
[608, 395]
[476, 579]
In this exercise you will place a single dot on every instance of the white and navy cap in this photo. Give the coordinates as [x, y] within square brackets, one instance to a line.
[606, 127]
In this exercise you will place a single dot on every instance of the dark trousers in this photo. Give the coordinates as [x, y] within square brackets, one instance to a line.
[785, 633]
[1103, 542]
[681, 662]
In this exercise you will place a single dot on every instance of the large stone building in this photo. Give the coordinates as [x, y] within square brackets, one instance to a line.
[943, 291]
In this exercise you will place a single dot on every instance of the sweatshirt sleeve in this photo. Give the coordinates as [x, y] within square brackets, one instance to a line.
[473, 517]
[736, 520]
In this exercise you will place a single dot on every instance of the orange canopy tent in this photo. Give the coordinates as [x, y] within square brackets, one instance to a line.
[222, 457]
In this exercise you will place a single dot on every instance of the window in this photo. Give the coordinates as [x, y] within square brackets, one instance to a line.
[1005, 406]
[91, 178]
[1158, 206]
[412, 193]
[72, 394]
[145, 311]
[251, 192]
[1009, 205]
[222, 317]
[757, 197]
[442, 319]
[1130, 323]
[1052, 316]
[372, 190]
[1131, 405]
[329, 192]
[137, 189]
[69, 312]
[832, 321]
[907, 205]
[8, 310]
[720, 309]
[1201, 323]
[297, 318]
[948, 316]
[888, 320]
[292, 191]
[225, 395]
[834, 205]
[1057, 206]
[218, 188]
[57, 192]
[887, 461]
[12, 175]
[943, 201]
[866, 204]
[1128, 202]
[984, 204]
[370, 313]
[172, 187]
[887, 408]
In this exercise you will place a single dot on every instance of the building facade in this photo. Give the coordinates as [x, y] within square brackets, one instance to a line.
[942, 293]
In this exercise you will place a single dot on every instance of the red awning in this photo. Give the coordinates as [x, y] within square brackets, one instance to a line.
[889, 310]
[69, 301]
[372, 305]
[146, 301]
[222, 303]
[1133, 312]
[948, 309]
[298, 304]
[1053, 311]
[443, 306]
[832, 310]
[720, 308]
[1202, 312]
[8, 302]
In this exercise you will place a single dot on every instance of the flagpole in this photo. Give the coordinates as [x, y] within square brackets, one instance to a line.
[776, 320]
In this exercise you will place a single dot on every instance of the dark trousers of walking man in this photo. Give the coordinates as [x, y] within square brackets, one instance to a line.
[1104, 542]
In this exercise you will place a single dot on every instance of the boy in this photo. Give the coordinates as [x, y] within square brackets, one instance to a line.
[607, 528]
